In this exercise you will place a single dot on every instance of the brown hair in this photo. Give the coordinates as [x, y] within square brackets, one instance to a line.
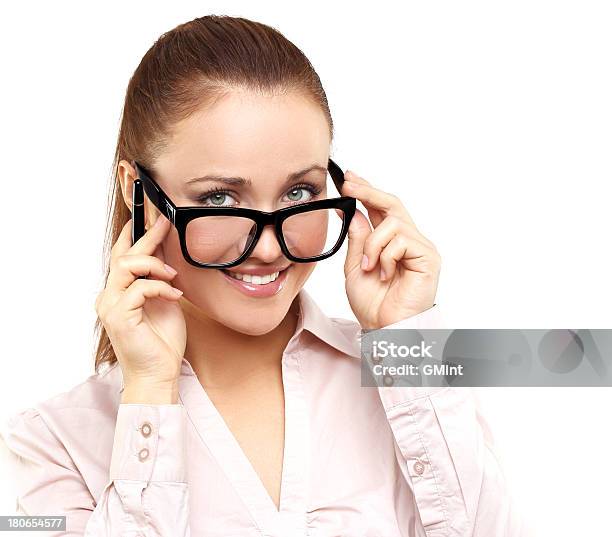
[187, 68]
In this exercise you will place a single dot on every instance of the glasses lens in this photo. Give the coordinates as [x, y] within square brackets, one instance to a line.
[219, 239]
[313, 233]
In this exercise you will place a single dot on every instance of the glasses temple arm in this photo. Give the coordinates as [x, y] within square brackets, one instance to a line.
[336, 174]
[156, 194]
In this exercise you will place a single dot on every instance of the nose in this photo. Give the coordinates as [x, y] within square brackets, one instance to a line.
[267, 248]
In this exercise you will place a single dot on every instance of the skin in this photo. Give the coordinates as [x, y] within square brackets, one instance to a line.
[234, 342]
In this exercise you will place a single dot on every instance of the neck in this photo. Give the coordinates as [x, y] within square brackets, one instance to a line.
[224, 359]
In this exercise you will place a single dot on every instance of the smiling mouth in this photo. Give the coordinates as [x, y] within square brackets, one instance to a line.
[254, 278]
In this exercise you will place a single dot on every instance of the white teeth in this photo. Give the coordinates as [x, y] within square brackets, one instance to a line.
[252, 278]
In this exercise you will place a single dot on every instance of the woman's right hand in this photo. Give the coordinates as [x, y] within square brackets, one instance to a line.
[143, 317]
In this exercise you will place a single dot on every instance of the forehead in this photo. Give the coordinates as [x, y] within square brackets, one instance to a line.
[249, 135]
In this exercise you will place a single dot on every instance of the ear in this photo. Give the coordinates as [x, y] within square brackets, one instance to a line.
[126, 174]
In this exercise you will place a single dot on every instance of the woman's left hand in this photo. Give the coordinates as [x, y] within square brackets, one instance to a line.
[391, 271]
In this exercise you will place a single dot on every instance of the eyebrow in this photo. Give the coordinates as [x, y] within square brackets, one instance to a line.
[241, 181]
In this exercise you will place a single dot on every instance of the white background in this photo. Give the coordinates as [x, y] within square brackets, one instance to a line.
[491, 120]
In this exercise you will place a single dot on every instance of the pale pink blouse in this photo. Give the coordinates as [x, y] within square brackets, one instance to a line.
[358, 461]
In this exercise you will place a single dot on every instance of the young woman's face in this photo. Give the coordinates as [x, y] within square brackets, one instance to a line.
[262, 139]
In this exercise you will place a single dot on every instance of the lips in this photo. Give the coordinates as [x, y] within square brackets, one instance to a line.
[266, 284]
[257, 270]
[256, 279]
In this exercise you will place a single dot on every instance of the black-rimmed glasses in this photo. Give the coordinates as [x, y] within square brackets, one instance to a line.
[223, 237]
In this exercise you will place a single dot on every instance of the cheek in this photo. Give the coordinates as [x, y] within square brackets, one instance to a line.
[191, 280]
[301, 273]
[171, 248]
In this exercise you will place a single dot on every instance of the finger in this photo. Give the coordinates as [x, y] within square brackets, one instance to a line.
[124, 241]
[373, 213]
[350, 175]
[374, 198]
[382, 236]
[135, 296]
[391, 254]
[147, 243]
[376, 216]
[358, 232]
[413, 255]
[128, 267]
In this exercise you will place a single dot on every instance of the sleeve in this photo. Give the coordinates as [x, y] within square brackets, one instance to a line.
[147, 490]
[446, 444]
[430, 318]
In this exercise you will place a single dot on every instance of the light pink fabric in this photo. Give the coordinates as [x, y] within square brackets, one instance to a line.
[358, 461]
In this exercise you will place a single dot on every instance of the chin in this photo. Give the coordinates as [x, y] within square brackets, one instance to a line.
[253, 325]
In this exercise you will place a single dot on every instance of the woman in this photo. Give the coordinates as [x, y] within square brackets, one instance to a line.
[224, 401]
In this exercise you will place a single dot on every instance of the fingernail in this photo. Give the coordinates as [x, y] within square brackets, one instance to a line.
[364, 262]
[169, 269]
[383, 276]
[177, 291]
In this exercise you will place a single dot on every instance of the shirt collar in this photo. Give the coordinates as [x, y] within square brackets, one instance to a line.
[341, 334]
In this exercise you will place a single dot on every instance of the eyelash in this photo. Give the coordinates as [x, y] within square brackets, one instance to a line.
[315, 190]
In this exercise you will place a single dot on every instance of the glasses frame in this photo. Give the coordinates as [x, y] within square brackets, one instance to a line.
[181, 216]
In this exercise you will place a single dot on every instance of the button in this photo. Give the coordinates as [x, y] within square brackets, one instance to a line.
[146, 429]
[419, 467]
[143, 454]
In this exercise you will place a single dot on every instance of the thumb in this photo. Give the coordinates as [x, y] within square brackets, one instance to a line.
[358, 232]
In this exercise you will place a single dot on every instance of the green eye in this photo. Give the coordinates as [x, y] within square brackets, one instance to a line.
[218, 198]
[295, 194]
[215, 197]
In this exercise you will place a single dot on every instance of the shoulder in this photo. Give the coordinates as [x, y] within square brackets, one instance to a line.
[96, 397]
[69, 429]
